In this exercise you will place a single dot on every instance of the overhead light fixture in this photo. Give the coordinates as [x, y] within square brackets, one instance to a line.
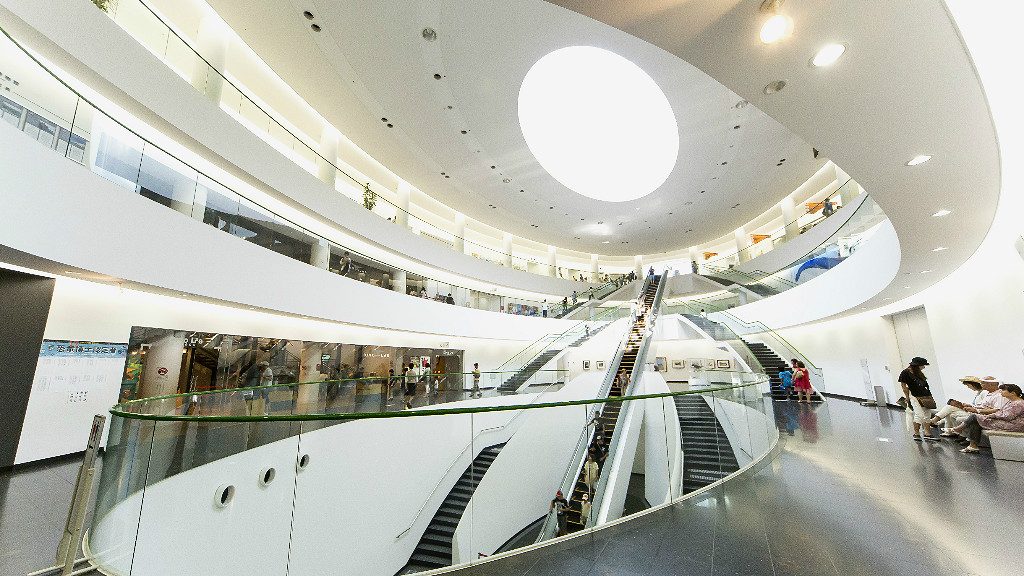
[919, 159]
[939, 249]
[925, 271]
[605, 242]
[828, 55]
[776, 28]
[778, 25]
[773, 87]
[942, 213]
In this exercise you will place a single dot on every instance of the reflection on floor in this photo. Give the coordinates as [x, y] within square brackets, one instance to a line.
[850, 494]
[34, 505]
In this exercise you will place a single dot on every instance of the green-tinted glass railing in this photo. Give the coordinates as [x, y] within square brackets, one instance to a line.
[463, 481]
[73, 126]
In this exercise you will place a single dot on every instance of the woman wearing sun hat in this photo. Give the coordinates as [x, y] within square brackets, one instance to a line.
[953, 412]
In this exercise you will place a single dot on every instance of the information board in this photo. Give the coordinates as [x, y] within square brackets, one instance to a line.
[73, 382]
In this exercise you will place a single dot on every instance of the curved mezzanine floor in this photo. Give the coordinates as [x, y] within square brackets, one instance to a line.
[850, 493]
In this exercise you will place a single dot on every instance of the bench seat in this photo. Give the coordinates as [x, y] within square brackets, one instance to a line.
[1006, 445]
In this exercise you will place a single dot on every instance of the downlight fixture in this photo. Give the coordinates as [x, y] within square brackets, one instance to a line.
[942, 213]
[919, 159]
[778, 26]
[828, 55]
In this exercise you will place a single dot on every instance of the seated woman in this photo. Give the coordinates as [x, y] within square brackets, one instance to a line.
[1009, 418]
[953, 412]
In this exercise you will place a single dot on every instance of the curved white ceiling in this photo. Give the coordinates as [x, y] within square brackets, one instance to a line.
[598, 124]
[370, 61]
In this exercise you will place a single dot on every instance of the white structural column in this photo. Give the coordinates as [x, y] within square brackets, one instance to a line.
[162, 366]
[212, 44]
[742, 243]
[398, 282]
[594, 270]
[506, 249]
[325, 169]
[552, 260]
[789, 217]
[320, 255]
[638, 266]
[404, 192]
[309, 371]
[459, 231]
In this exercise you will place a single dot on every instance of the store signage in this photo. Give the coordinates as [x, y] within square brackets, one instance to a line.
[161, 371]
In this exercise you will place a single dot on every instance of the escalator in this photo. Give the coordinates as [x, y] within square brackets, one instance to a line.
[608, 419]
[434, 549]
[707, 454]
[522, 375]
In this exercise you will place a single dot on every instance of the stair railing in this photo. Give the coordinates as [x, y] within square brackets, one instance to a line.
[565, 339]
[599, 500]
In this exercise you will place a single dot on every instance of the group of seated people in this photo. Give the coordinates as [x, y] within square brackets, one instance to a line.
[995, 406]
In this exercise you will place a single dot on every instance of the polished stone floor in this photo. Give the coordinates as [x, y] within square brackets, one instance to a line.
[34, 503]
[849, 494]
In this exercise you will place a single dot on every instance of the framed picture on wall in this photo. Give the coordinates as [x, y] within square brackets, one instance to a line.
[723, 364]
[710, 364]
[660, 364]
[678, 364]
[599, 365]
[695, 363]
[586, 364]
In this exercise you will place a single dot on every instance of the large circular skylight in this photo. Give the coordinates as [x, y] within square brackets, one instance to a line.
[598, 123]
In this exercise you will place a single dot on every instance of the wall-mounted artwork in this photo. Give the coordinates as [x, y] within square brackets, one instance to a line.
[710, 364]
[723, 364]
[678, 365]
[600, 364]
[586, 364]
[660, 364]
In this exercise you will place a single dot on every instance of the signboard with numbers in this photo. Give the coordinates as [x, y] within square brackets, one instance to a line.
[74, 381]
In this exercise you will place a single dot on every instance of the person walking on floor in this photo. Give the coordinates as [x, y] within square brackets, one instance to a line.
[544, 309]
[802, 383]
[476, 381]
[919, 397]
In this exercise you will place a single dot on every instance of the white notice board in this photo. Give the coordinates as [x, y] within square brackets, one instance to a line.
[74, 381]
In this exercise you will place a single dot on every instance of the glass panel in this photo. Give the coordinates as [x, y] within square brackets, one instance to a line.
[166, 180]
[254, 224]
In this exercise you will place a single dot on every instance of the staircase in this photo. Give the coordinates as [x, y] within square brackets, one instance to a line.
[526, 372]
[707, 454]
[435, 547]
[773, 364]
[712, 328]
[609, 415]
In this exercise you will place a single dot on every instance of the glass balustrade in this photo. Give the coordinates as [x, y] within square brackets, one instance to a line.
[197, 483]
[42, 104]
[176, 48]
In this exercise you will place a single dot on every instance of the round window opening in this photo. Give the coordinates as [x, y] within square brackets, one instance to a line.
[598, 124]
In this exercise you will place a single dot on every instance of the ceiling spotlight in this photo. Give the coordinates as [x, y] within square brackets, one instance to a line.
[925, 271]
[776, 28]
[605, 242]
[429, 34]
[314, 27]
[942, 213]
[828, 55]
[308, 15]
[919, 159]
[939, 249]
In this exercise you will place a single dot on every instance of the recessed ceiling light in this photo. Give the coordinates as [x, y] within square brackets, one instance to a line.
[925, 271]
[776, 28]
[939, 249]
[907, 287]
[919, 159]
[942, 213]
[773, 87]
[828, 55]
[605, 242]
[429, 34]
[308, 15]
